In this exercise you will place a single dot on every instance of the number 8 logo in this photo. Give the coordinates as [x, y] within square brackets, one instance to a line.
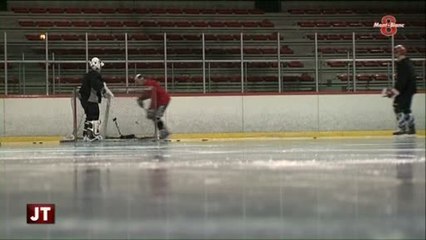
[388, 30]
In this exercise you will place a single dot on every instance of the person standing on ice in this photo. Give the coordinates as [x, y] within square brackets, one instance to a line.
[157, 107]
[403, 92]
[90, 94]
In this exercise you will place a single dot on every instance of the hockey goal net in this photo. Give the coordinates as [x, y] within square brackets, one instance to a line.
[120, 116]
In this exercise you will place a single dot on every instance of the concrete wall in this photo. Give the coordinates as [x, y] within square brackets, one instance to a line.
[195, 114]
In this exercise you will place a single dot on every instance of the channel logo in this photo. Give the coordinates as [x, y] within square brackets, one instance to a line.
[40, 213]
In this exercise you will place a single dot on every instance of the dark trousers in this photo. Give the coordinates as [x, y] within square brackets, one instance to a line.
[402, 103]
[91, 110]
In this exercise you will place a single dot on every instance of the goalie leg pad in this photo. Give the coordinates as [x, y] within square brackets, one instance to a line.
[402, 121]
[92, 130]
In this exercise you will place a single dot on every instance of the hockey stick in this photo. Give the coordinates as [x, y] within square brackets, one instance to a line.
[119, 132]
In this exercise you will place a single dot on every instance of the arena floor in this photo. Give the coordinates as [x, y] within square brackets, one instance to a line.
[324, 188]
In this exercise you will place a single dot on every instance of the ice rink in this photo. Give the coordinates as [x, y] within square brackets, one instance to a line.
[251, 189]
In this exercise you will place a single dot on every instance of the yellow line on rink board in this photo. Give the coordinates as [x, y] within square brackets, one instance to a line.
[33, 140]
[286, 135]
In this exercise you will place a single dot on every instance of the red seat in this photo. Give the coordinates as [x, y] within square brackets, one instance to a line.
[354, 24]
[295, 64]
[381, 77]
[207, 11]
[306, 77]
[149, 24]
[210, 37]
[141, 10]
[158, 11]
[413, 36]
[421, 49]
[364, 36]
[216, 24]
[131, 23]
[333, 37]
[200, 24]
[79, 23]
[44, 23]
[62, 23]
[156, 37]
[183, 51]
[125, 10]
[191, 11]
[345, 11]
[233, 24]
[344, 77]
[139, 37]
[266, 24]
[174, 11]
[166, 24]
[306, 24]
[20, 10]
[252, 51]
[291, 78]
[269, 51]
[114, 24]
[327, 50]
[54, 37]
[312, 11]
[336, 64]
[296, 11]
[341, 50]
[97, 23]
[370, 64]
[224, 11]
[338, 23]
[106, 37]
[375, 50]
[363, 77]
[73, 10]
[225, 37]
[240, 11]
[25, 23]
[37, 10]
[55, 10]
[286, 50]
[32, 37]
[249, 24]
[322, 24]
[379, 36]
[107, 10]
[70, 37]
[346, 36]
[191, 37]
[89, 10]
[174, 37]
[329, 11]
[184, 24]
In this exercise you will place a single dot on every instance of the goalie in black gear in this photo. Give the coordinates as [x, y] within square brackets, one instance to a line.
[403, 92]
[92, 89]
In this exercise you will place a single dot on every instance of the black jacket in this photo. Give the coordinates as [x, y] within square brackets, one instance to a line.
[91, 84]
[406, 77]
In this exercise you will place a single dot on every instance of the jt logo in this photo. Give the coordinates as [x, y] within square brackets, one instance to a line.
[40, 213]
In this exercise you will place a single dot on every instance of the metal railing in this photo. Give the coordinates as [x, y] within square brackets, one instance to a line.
[280, 59]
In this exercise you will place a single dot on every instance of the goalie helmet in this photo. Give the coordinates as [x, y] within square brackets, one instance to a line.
[96, 64]
[400, 50]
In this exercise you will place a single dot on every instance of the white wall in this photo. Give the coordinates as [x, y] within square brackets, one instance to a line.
[191, 114]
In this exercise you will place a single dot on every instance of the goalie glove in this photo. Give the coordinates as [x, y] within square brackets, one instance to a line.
[140, 102]
[390, 92]
[106, 93]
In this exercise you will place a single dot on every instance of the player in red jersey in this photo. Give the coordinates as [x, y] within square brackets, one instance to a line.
[157, 108]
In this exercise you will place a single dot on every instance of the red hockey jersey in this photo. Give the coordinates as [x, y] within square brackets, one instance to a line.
[163, 98]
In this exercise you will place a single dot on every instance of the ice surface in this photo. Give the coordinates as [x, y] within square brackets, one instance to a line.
[345, 188]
